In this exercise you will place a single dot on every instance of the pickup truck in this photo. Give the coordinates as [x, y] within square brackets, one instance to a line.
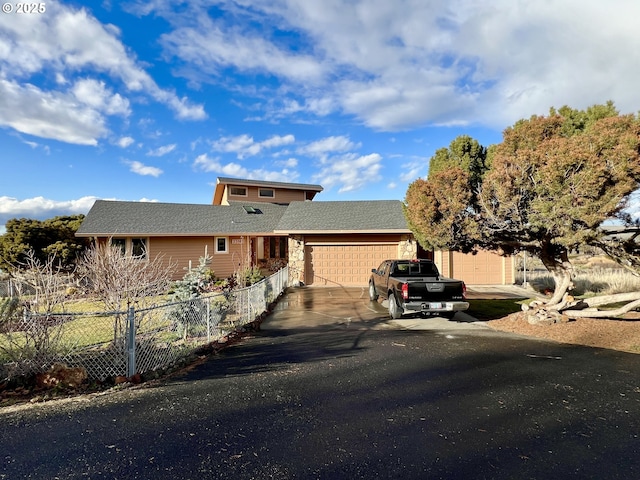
[413, 286]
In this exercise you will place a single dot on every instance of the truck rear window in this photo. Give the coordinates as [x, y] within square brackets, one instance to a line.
[415, 269]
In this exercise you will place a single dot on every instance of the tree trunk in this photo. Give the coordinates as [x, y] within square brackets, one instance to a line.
[588, 313]
[561, 269]
[587, 308]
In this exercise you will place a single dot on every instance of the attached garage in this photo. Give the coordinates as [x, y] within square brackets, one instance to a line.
[345, 263]
[483, 268]
[338, 243]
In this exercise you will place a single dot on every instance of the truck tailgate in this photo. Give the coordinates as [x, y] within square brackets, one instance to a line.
[432, 291]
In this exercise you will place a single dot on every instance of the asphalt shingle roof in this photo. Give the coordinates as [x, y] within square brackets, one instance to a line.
[346, 216]
[145, 218]
[108, 218]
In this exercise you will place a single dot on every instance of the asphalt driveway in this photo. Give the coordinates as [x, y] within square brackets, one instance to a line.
[330, 389]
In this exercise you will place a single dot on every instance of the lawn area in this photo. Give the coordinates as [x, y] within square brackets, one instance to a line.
[492, 309]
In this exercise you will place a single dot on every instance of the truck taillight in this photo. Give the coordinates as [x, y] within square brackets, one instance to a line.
[405, 291]
[464, 290]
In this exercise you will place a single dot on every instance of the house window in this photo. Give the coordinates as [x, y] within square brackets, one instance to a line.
[136, 247]
[139, 247]
[121, 243]
[283, 247]
[266, 193]
[222, 245]
[238, 191]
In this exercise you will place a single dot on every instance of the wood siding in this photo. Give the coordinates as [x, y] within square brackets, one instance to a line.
[182, 250]
[280, 195]
[485, 267]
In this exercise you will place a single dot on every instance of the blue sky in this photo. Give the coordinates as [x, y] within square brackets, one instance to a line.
[153, 100]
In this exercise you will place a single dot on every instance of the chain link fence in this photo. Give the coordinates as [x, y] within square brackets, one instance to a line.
[9, 288]
[111, 344]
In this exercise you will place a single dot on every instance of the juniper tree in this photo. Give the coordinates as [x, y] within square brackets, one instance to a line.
[546, 189]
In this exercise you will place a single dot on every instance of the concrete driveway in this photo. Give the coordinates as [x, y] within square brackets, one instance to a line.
[333, 307]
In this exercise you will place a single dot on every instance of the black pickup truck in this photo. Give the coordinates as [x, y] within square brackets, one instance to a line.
[416, 286]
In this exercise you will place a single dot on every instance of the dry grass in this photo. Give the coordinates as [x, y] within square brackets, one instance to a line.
[594, 275]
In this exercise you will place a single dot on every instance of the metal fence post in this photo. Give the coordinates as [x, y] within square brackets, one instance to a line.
[131, 342]
[208, 313]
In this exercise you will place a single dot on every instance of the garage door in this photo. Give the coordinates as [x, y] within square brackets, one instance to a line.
[345, 264]
[483, 268]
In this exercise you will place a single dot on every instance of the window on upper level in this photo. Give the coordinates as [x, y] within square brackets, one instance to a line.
[266, 193]
[238, 191]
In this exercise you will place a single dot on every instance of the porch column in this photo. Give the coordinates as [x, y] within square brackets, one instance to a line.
[296, 259]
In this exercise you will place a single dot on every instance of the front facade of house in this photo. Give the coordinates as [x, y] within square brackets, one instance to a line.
[271, 224]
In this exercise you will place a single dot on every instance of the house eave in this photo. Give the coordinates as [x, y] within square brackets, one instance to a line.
[342, 232]
[173, 234]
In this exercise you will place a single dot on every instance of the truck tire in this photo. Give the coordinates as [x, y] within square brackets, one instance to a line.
[395, 311]
[373, 295]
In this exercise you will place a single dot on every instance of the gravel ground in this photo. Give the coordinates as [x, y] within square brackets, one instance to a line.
[623, 335]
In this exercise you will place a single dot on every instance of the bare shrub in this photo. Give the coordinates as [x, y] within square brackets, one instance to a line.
[121, 281]
[32, 323]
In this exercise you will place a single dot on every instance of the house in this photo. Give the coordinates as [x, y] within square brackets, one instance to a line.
[271, 224]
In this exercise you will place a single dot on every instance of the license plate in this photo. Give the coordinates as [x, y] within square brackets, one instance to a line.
[433, 306]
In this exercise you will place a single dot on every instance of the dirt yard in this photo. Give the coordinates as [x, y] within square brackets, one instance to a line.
[623, 335]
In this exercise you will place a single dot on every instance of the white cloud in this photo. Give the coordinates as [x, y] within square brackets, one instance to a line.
[411, 63]
[61, 43]
[145, 170]
[351, 172]
[94, 94]
[245, 146]
[325, 146]
[278, 141]
[53, 115]
[207, 164]
[411, 170]
[41, 208]
[290, 162]
[211, 46]
[161, 151]
[124, 142]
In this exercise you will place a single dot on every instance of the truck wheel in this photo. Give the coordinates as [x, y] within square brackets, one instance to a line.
[373, 296]
[394, 309]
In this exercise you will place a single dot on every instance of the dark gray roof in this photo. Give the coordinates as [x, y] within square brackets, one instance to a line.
[262, 183]
[347, 216]
[107, 218]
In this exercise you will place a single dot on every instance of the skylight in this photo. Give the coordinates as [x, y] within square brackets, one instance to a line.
[252, 210]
